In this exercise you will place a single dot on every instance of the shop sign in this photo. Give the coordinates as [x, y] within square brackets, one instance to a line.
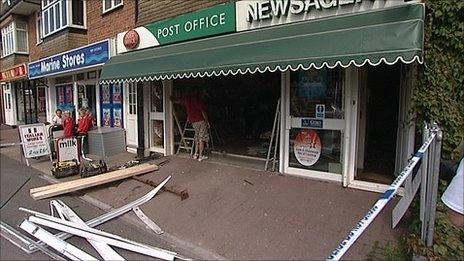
[219, 19]
[14, 73]
[307, 147]
[34, 140]
[68, 149]
[81, 58]
[311, 123]
[320, 111]
[252, 14]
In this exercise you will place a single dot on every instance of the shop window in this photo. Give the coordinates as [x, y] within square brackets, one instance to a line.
[14, 38]
[60, 14]
[109, 5]
[65, 98]
[317, 111]
[132, 95]
[316, 89]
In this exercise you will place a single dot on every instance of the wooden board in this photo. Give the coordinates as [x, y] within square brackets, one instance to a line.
[74, 185]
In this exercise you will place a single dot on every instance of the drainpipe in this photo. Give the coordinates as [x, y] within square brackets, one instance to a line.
[140, 122]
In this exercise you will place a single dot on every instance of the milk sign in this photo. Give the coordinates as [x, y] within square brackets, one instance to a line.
[68, 149]
[34, 140]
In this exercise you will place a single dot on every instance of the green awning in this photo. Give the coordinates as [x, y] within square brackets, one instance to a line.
[387, 35]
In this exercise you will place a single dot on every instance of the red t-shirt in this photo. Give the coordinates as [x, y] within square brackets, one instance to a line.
[68, 127]
[194, 105]
[85, 123]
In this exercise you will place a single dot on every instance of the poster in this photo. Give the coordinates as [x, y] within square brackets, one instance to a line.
[111, 105]
[106, 119]
[69, 94]
[68, 149]
[117, 117]
[34, 140]
[61, 98]
[307, 147]
[117, 94]
[312, 84]
[105, 94]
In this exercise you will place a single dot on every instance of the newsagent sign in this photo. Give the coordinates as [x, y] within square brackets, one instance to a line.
[81, 58]
[253, 14]
[219, 19]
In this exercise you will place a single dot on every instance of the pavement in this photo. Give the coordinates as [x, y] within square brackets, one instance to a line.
[240, 213]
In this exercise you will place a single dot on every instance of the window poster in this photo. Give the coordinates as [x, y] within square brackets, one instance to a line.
[117, 94]
[105, 94]
[65, 100]
[106, 119]
[117, 117]
[111, 105]
[312, 84]
[307, 147]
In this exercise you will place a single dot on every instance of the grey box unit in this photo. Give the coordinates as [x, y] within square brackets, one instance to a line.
[105, 141]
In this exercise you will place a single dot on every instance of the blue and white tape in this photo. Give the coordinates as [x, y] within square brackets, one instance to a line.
[361, 226]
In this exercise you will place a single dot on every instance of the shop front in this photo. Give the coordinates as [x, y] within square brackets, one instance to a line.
[22, 99]
[340, 74]
[70, 80]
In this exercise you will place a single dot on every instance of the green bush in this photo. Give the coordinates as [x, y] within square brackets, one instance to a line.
[439, 94]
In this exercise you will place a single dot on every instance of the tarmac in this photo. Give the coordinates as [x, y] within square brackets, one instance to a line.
[239, 213]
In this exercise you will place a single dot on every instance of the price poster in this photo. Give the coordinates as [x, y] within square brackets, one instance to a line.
[307, 147]
[34, 140]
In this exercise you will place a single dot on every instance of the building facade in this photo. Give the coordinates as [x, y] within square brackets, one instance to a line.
[330, 80]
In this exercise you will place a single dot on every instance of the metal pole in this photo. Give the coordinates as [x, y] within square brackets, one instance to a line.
[272, 135]
[423, 192]
[434, 179]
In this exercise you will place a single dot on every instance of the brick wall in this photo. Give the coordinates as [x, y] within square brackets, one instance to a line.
[155, 10]
[12, 60]
[60, 42]
[102, 26]
[34, 48]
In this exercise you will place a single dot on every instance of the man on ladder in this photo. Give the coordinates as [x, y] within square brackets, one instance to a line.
[195, 107]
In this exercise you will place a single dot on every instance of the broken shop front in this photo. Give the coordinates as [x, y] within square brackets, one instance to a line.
[332, 87]
[71, 79]
[23, 100]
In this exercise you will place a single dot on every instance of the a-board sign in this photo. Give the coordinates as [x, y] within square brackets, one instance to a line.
[68, 149]
[34, 140]
[307, 147]
[311, 123]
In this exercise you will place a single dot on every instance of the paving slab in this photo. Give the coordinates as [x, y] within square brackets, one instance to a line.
[240, 213]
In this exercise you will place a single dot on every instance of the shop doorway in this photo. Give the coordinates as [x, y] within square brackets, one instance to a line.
[156, 117]
[41, 104]
[241, 112]
[378, 124]
[8, 104]
[87, 97]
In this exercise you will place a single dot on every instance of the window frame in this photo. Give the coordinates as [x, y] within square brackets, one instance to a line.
[10, 38]
[38, 28]
[57, 6]
[113, 6]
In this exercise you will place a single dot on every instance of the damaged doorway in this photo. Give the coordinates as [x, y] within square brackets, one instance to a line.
[378, 124]
[241, 111]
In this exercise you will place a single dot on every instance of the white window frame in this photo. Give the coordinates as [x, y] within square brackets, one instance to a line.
[38, 27]
[9, 42]
[47, 6]
[113, 6]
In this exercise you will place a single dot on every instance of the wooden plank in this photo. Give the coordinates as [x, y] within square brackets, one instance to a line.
[88, 179]
[73, 185]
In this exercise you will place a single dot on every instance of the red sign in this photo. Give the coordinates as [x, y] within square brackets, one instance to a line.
[14, 73]
[131, 39]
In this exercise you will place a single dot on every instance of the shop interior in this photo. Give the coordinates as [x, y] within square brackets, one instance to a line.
[379, 102]
[241, 111]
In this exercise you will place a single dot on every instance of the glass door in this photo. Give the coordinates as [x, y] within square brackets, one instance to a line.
[156, 117]
[316, 123]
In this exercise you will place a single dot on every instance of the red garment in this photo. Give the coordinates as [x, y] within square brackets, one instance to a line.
[194, 105]
[85, 124]
[68, 126]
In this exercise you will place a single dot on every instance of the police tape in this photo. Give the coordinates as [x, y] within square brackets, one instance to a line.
[361, 226]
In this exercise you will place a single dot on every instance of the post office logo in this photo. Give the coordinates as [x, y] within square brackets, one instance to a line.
[131, 39]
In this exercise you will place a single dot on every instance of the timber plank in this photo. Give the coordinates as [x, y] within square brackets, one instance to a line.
[74, 185]
[88, 179]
